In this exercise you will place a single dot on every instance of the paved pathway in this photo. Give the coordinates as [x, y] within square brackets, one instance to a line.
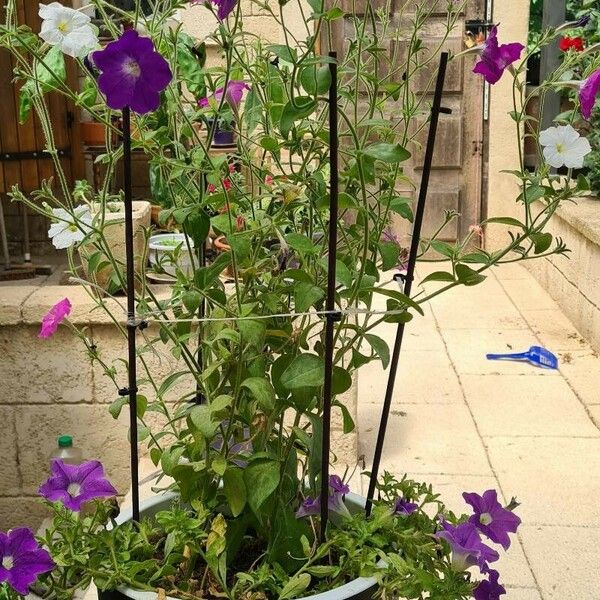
[464, 423]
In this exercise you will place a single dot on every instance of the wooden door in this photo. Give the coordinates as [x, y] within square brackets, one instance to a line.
[22, 158]
[456, 179]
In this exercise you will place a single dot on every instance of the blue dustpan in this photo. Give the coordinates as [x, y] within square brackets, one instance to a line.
[536, 355]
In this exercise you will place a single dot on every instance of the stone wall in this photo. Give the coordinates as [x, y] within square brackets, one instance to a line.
[574, 280]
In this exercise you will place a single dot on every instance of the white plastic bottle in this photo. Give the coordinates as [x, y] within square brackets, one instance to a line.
[67, 452]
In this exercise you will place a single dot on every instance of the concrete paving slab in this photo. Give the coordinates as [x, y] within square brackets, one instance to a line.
[425, 438]
[554, 330]
[527, 294]
[424, 377]
[565, 560]
[526, 405]
[557, 480]
[582, 370]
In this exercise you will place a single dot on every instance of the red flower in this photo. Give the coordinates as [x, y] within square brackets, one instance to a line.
[567, 43]
[226, 184]
[240, 222]
[211, 189]
[232, 168]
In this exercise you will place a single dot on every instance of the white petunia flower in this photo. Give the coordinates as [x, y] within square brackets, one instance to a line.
[67, 28]
[563, 146]
[69, 230]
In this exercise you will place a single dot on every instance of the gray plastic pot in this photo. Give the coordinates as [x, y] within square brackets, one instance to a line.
[362, 588]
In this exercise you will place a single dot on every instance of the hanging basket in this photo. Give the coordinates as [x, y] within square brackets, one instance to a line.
[361, 588]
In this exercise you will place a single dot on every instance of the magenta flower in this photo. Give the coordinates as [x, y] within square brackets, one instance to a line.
[588, 92]
[224, 7]
[489, 589]
[466, 545]
[491, 518]
[54, 317]
[74, 485]
[233, 95]
[22, 559]
[495, 59]
[403, 507]
[132, 73]
[337, 490]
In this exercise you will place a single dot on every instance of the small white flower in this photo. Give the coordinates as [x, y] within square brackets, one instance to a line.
[71, 228]
[563, 146]
[68, 28]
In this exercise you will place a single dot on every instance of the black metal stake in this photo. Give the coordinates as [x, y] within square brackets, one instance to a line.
[131, 322]
[330, 317]
[408, 279]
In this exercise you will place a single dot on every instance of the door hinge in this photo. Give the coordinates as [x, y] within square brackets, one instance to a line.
[477, 146]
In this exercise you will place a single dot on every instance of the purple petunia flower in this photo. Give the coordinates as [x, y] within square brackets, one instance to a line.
[467, 547]
[233, 95]
[491, 518]
[403, 507]
[224, 7]
[588, 92]
[74, 485]
[132, 73]
[22, 559]
[489, 589]
[337, 490]
[54, 317]
[242, 448]
[495, 59]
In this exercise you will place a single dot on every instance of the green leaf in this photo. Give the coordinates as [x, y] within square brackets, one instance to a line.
[342, 380]
[261, 478]
[295, 586]
[380, 347]
[286, 53]
[117, 406]
[505, 221]
[306, 295]
[252, 110]
[200, 420]
[347, 420]
[269, 143]
[388, 153]
[443, 248]
[468, 276]
[438, 276]
[191, 300]
[306, 370]
[141, 404]
[170, 381]
[252, 333]
[399, 297]
[235, 490]
[315, 80]
[541, 242]
[534, 192]
[303, 107]
[402, 206]
[390, 253]
[170, 459]
[219, 464]
[300, 243]
[262, 391]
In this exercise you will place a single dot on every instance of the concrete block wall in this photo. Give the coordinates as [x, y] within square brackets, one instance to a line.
[574, 281]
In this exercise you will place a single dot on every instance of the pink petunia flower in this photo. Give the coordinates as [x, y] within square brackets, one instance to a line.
[233, 95]
[54, 317]
[269, 180]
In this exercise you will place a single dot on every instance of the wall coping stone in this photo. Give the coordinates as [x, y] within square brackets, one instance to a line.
[27, 303]
[583, 216]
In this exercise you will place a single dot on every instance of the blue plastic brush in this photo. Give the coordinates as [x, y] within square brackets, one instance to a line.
[536, 355]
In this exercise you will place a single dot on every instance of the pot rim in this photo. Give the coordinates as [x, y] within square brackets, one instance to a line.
[353, 588]
[154, 239]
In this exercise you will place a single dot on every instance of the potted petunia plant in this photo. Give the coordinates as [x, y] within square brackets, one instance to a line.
[240, 448]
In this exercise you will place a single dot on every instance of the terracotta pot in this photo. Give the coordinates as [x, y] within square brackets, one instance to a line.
[92, 133]
[220, 245]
